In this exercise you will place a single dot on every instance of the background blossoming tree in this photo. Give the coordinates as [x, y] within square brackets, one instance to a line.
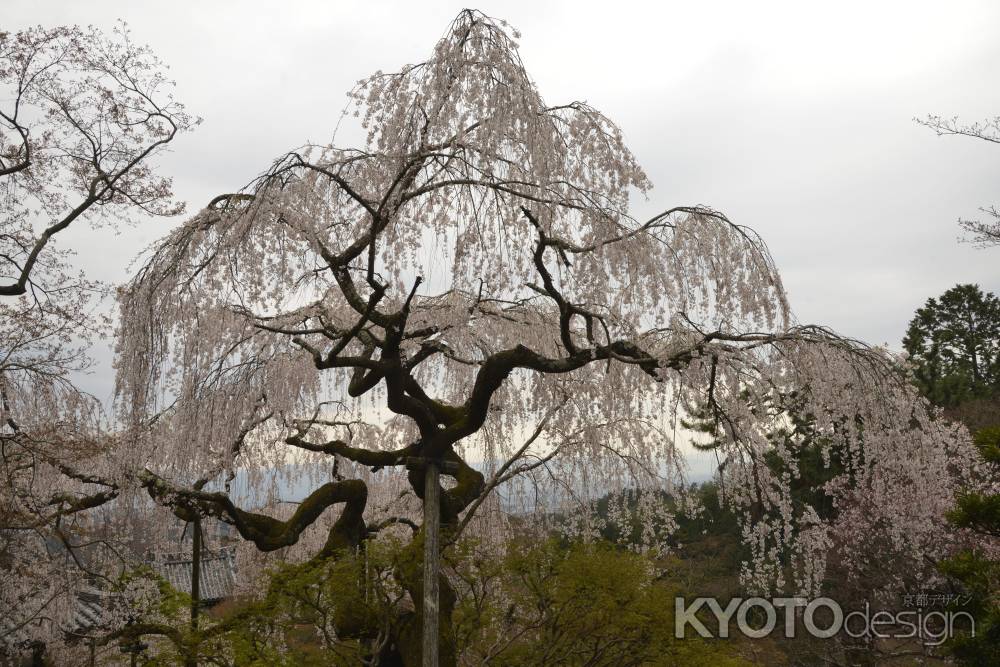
[83, 116]
[470, 287]
[985, 233]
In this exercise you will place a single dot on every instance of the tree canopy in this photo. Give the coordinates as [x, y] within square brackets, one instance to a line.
[954, 346]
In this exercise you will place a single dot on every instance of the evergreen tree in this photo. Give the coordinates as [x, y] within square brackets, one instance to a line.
[954, 344]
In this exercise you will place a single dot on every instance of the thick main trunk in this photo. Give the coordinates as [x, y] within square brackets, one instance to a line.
[409, 634]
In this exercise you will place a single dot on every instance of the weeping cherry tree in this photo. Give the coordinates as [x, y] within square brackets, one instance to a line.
[470, 288]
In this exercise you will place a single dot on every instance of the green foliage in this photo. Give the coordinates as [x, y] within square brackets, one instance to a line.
[715, 518]
[540, 602]
[293, 623]
[954, 344]
[987, 441]
[169, 609]
[170, 603]
[816, 457]
[577, 604]
[802, 453]
[289, 625]
[978, 511]
[980, 577]
[978, 574]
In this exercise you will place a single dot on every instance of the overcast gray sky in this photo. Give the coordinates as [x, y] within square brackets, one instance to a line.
[793, 118]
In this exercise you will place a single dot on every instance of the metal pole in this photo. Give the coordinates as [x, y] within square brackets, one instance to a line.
[432, 529]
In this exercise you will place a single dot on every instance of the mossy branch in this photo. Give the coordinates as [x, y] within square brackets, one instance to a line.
[268, 533]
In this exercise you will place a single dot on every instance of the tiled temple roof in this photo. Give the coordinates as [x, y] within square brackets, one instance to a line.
[218, 573]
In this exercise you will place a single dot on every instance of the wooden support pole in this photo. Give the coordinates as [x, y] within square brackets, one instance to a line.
[432, 530]
[432, 551]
